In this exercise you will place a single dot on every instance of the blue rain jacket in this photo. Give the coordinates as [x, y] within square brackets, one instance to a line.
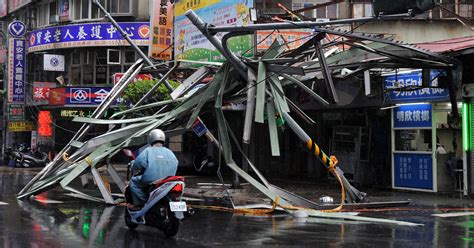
[154, 163]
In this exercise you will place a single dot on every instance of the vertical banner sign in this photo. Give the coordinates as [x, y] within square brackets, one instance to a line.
[34, 139]
[161, 38]
[16, 70]
[190, 44]
[64, 10]
[45, 121]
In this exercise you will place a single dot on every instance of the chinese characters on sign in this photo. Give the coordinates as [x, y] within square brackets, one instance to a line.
[45, 121]
[413, 171]
[161, 37]
[90, 34]
[21, 126]
[16, 112]
[41, 92]
[16, 70]
[71, 113]
[412, 116]
[413, 79]
[79, 96]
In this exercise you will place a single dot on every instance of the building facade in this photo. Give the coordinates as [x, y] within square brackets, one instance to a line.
[74, 49]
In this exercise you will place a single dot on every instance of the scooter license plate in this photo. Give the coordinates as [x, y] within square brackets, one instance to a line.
[178, 206]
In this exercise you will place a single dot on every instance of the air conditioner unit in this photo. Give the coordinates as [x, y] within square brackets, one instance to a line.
[53, 19]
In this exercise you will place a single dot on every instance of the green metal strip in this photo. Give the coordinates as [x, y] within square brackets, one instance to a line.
[220, 76]
[279, 97]
[115, 122]
[272, 128]
[81, 166]
[260, 97]
[227, 150]
[315, 213]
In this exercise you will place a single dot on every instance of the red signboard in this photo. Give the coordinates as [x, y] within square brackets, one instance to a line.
[45, 128]
[41, 91]
[57, 96]
[118, 76]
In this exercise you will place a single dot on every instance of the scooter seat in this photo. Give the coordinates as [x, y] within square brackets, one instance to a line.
[160, 182]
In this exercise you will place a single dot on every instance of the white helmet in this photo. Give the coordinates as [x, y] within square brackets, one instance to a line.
[156, 135]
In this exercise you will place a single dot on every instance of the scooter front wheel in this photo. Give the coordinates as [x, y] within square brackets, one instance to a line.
[128, 220]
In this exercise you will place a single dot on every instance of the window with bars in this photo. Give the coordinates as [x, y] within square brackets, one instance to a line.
[89, 66]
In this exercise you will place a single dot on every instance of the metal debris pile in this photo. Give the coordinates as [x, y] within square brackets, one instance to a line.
[261, 82]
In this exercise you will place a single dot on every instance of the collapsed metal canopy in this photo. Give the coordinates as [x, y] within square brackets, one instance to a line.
[262, 82]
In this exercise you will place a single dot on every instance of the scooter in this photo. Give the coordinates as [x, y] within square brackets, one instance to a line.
[23, 157]
[164, 208]
[37, 160]
[14, 156]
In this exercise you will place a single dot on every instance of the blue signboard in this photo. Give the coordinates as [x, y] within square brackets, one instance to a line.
[413, 171]
[413, 79]
[17, 29]
[16, 70]
[88, 34]
[198, 127]
[413, 116]
[83, 96]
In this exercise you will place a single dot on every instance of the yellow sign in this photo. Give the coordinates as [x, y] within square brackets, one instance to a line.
[161, 37]
[21, 126]
[184, 5]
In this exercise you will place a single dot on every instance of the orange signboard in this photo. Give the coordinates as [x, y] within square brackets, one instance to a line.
[161, 38]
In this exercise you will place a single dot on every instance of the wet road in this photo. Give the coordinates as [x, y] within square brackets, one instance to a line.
[78, 223]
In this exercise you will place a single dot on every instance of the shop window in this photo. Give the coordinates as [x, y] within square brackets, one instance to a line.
[413, 140]
[86, 9]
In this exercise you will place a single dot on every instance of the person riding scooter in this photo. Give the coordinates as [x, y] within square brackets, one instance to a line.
[155, 162]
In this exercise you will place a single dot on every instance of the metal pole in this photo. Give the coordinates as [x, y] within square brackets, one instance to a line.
[130, 41]
[352, 193]
[203, 27]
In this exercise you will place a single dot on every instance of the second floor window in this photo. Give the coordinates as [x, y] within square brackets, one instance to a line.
[86, 9]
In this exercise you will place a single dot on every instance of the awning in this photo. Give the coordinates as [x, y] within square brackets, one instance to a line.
[449, 45]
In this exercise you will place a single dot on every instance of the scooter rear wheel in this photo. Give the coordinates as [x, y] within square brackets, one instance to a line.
[128, 220]
[171, 228]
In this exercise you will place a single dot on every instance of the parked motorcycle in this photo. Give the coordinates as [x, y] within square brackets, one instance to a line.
[24, 157]
[164, 208]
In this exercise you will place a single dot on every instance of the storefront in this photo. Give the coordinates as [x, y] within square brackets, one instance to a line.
[426, 141]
